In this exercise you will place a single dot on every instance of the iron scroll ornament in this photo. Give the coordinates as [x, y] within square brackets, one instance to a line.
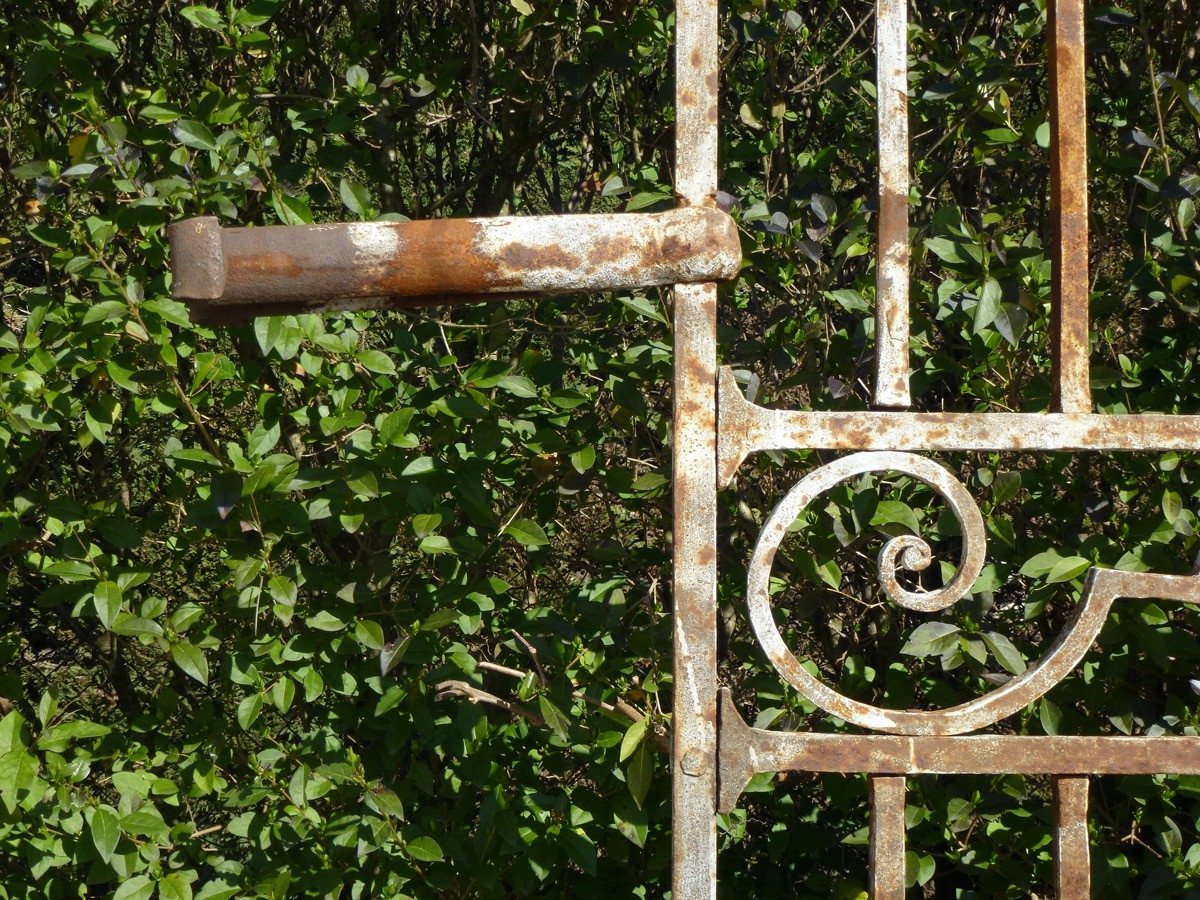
[1102, 587]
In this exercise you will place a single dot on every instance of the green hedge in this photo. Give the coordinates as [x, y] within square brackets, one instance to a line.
[377, 604]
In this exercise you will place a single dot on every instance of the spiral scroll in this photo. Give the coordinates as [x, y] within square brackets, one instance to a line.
[907, 552]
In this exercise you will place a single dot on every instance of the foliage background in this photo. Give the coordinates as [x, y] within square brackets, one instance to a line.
[377, 604]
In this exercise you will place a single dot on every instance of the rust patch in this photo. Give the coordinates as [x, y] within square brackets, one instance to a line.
[294, 268]
[518, 258]
[251, 267]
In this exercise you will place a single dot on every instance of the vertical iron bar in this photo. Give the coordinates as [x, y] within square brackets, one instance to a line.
[1072, 859]
[694, 473]
[887, 837]
[891, 270]
[1069, 202]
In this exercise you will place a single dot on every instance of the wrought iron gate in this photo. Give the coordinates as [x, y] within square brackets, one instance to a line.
[231, 274]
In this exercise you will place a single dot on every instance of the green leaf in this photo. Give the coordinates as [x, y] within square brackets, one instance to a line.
[1005, 486]
[218, 890]
[106, 832]
[435, 543]
[518, 385]
[1050, 716]
[58, 737]
[554, 717]
[18, 773]
[101, 43]
[1067, 569]
[930, 639]
[1004, 651]
[849, 300]
[1040, 564]
[262, 440]
[424, 849]
[248, 710]
[419, 466]
[353, 194]
[291, 210]
[203, 16]
[644, 308]
[893, 512]
[369, 634]
[174, 887]
[425, 523]
[634, 735]
[392, 654]
[283, 693]
[137, 887]
[190, 660]
[639, 773]
[325, 621]
[357, 79]
[1172, 505]
[11, 728]
[376, 361]
[527, 532]
[194, 134]
[989, 304]
[107, 601]
[583, 459]
[947, 250]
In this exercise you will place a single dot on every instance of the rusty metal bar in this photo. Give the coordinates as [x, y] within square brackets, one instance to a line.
[693, 473]
[1072, 853]
[746, 752]
[891, 270]
[746, 428]
[1101, 589]
[307, 268]
[886, 852]
[1069, 202]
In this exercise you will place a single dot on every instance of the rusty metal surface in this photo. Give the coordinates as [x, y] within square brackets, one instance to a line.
[746, 752]
[909, 741]
[886, 849]
[1069, 202]
[305, 268]
[1101, 588]
[694, 477]
[891, 269]
[232, 274]
[746, 428]
[1072, 853]
[904, 552]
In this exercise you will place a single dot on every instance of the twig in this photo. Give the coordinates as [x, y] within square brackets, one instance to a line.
[533, 654]
[660, 738]
[475, 695]
[503, 670]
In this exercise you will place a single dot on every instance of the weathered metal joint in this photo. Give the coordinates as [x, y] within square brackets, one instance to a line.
[289, 269]
[694, 763]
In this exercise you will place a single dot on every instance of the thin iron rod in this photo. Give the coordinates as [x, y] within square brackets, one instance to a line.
[887, 837]
[1069, 203]
[891, 280]
[1072, 860]
[694, 473]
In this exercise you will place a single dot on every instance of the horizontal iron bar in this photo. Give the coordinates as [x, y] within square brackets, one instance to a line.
[746, 428]
[746, 751]
[291, 269]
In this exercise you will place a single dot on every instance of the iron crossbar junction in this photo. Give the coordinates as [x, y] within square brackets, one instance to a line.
[231, 274]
